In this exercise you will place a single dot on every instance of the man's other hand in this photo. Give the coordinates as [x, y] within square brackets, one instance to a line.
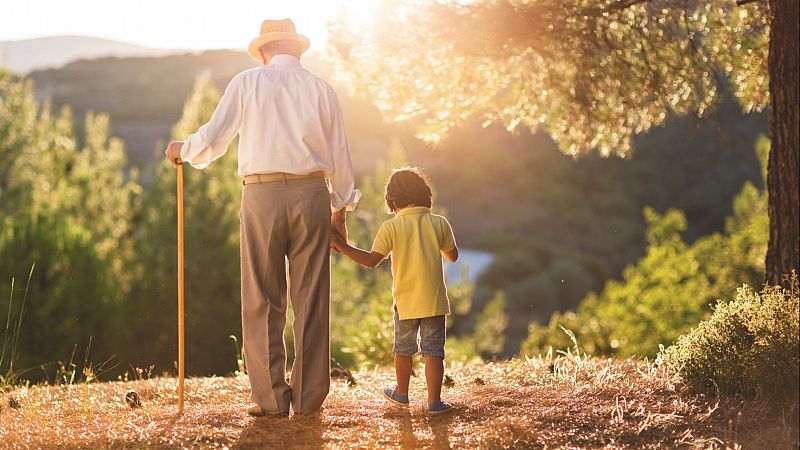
[337, 242]
[174, 152]
[338, 223]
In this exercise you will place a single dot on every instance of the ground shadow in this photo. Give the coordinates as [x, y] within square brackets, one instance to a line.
[297, 431]
[415, 431]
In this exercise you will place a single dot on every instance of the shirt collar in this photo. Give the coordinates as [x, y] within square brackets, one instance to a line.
[413, 210]
[287, 61]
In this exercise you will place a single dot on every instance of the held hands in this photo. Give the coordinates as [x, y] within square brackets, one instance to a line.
[338, 229]
[337, 241]
[339, 223]
[173, 152]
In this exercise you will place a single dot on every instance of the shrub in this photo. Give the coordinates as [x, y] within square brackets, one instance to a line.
[671, 287]
[748, 346]
[71, 295]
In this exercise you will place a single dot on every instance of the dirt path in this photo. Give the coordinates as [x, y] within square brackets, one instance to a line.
[519, 404]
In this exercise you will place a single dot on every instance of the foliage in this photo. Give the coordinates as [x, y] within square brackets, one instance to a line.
[491, 325]
[68, 208]
[539, 243]
[593, 73]
[211, 201]
[560, 227]
[516, 196]
[669, 288]
[748, 346]
[68, 295]
[18, 126]
[11, 332]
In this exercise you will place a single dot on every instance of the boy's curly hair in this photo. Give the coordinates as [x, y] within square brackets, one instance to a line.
[407, 186]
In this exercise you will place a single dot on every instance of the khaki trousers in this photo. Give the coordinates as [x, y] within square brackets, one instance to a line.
[286, 224]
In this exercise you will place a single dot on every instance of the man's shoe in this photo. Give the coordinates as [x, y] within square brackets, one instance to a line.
[391, 394]
[256, 411]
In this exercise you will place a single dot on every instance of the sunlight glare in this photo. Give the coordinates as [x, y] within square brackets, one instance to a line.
[180, 24]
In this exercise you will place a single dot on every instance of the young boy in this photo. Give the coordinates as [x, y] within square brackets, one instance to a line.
[416, 240]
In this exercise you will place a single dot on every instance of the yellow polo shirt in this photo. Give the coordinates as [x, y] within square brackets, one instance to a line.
[414, 237]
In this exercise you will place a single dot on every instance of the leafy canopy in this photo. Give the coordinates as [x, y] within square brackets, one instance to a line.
[591, 73]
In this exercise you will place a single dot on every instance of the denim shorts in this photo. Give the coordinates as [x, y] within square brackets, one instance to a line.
[431, 336]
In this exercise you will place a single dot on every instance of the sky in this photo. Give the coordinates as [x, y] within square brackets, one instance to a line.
[174, 24]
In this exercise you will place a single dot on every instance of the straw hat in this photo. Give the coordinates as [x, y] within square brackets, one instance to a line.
[276, 30]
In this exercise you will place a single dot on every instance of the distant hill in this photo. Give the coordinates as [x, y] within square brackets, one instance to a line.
[53, 51]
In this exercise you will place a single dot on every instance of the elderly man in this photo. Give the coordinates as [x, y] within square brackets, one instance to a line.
[298, 183]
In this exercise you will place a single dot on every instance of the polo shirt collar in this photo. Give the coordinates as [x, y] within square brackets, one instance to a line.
[287, 61]
[413, 210]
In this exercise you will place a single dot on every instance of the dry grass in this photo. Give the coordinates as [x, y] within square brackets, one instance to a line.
[521, 404]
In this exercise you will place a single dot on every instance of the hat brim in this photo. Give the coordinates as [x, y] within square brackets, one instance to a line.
[256, 43]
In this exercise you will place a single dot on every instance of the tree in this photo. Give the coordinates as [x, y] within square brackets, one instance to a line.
[784, 159]
[592, 73]
[18, 119]
[211, 204]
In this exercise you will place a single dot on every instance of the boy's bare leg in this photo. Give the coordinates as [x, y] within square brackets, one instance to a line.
[434, 372]
[402, 369]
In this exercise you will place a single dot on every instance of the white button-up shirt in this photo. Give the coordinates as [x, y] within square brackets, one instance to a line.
[288, 121]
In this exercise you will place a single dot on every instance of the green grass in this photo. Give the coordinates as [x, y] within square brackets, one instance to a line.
[8, 352]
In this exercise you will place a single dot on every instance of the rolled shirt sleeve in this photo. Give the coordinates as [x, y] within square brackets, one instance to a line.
[341, 180]
[211, 140]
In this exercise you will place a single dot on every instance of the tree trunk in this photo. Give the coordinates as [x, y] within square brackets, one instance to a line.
[783, 175]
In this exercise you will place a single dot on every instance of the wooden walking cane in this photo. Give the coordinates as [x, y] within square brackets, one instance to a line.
[179, 167]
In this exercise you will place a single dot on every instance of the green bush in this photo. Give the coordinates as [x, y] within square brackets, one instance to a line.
[748, 346]
[71, 298]
[671, 287]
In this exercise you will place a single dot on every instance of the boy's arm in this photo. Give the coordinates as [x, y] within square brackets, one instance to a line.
[451, 255]
[448, 242]
[363, 257]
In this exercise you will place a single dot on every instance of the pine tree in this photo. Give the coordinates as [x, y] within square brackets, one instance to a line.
[211, 204]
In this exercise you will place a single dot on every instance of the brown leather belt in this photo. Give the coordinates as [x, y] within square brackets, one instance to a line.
[279, 177]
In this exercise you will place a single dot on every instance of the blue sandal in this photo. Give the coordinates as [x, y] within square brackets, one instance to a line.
[391, 394]
[438, 407]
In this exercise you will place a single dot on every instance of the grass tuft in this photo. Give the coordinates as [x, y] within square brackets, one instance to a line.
[8, 352]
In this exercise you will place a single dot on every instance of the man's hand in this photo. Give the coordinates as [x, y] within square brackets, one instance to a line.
[339, 223]
[337, 242]
[174, 152]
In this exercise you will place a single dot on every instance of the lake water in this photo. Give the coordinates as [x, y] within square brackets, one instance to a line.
[474, 262]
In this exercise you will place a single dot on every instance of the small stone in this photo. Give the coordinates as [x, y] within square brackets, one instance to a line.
[343, 374]
[133, 400]
[448, 381]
